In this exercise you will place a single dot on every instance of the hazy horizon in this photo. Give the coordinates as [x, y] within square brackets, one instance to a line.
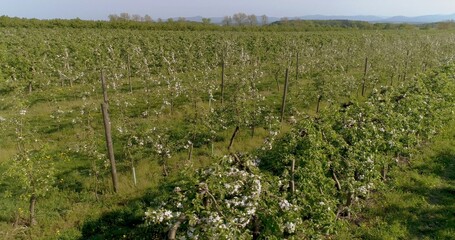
[100, 9]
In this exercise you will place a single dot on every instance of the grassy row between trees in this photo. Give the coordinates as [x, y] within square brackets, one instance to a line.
[418, 202]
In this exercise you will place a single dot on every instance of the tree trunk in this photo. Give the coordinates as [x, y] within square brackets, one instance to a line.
[109, 145]
[292, 183]
[253, 126]
[32, 220]
[319, 103]
[349, 198]
[165, 171]
[285, 92]
[384, 171]
[173, 231]
[171, 106]
[30, 87]
[96, 175]
[233, 137]
[16, 219]
[133, 169]
[335, 178]
[276, 80]
[256, 228]
[190, 152]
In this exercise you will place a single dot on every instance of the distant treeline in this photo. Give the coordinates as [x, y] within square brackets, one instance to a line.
[183, 25]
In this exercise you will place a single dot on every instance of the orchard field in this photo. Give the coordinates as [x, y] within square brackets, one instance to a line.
[215, 134]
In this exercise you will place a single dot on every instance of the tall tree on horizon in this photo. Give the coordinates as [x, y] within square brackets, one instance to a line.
[227, 21]
[147, 18]
[252, 20]
[240, 18]
[264, 20]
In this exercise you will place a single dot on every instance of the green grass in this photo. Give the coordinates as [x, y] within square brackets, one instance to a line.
[419, 199]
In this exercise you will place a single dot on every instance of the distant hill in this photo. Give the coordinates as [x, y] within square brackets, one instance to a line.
[366, 18]
[421, 19]
[395, 19]
[353, 18]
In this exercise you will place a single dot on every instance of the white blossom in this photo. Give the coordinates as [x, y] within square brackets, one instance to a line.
[290, 227]
[285, 205]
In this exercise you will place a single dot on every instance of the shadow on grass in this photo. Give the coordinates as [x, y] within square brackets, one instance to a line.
[423, 207]
[127, 221]
[438, 219]
[442, 165]
[56, 127]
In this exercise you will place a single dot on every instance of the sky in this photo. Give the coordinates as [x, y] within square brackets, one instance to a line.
[100, 9]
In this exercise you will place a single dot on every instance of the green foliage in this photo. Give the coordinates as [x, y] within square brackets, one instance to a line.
[165, 107]
[220, 202]
[340, 157]
[33, 172]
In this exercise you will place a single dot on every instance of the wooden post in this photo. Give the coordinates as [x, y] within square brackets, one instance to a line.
[285, 92]
[292, 183]
[406, 66]
[347, 62]
[222, 81]
[297, 67]
[108, 134]
[129, 74]
[103, 86]
[109, 145]
[365, 71]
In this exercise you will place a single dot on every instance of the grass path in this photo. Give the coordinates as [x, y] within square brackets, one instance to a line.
[419, 199]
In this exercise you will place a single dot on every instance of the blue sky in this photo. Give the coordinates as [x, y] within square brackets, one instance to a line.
[100, 9]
